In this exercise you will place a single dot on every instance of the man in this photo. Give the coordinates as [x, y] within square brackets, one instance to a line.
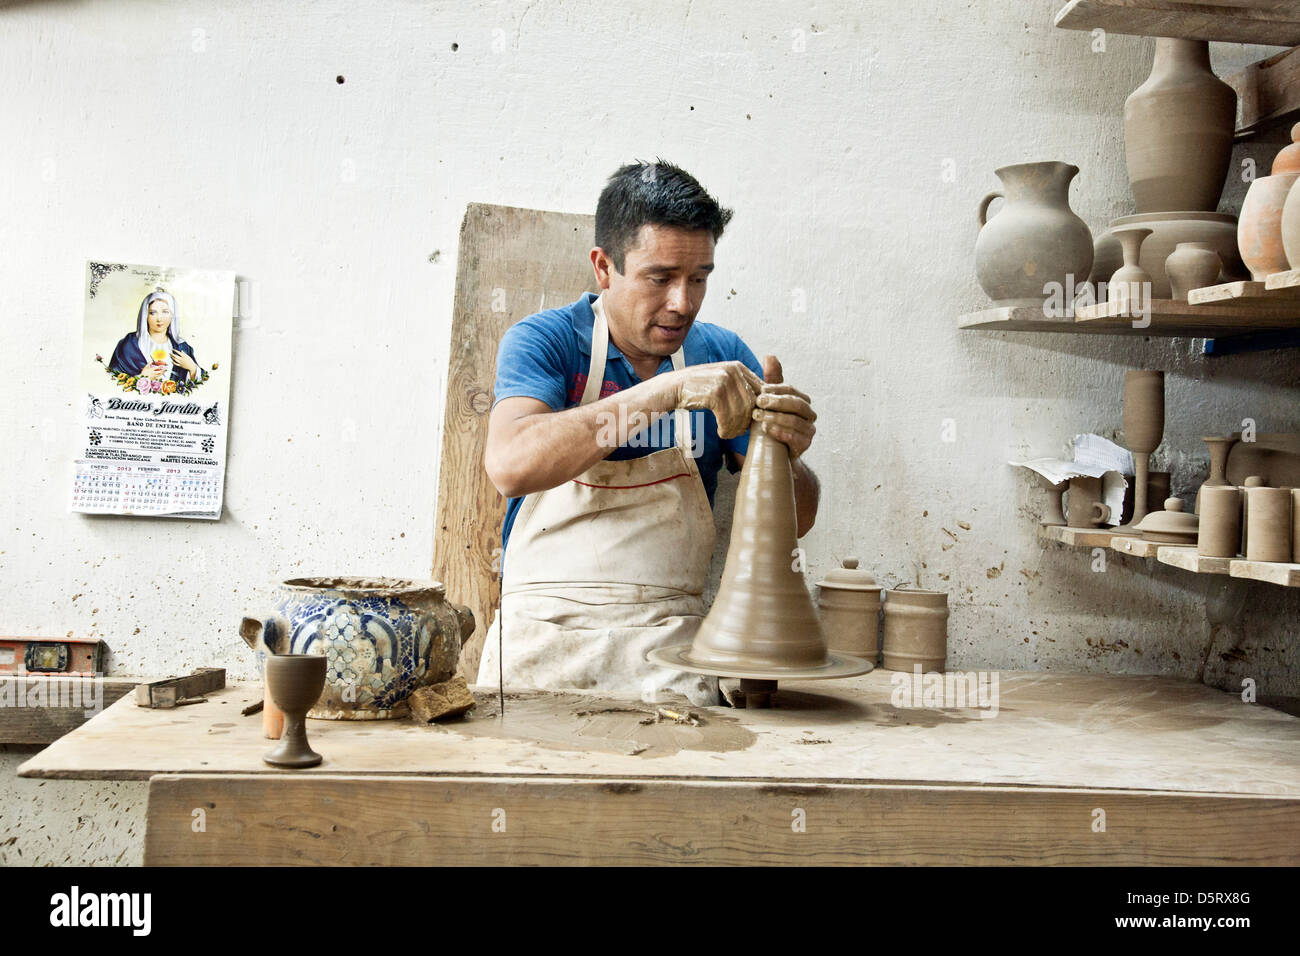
[609, 473]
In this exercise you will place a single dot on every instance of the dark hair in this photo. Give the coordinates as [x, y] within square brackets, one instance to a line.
[657, 194]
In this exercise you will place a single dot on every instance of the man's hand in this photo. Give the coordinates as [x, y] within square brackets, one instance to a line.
[728, 389]
[784, 412]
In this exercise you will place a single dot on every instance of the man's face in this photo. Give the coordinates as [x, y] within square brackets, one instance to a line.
[655, 299]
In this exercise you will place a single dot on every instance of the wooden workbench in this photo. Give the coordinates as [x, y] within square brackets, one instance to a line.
[1072, 769]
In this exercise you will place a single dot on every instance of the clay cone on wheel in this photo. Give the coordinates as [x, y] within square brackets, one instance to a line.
[763, 623]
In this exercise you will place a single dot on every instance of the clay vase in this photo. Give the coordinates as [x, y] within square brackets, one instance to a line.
[1192, 265]
[849, 601]
[1131, 284]
[1144, 426]
[1178, 129]
[1035, 240]
[1083, 505]
[1219, 446]
[1259, 230]
[1268, 520]
[1287, 162]
[294, 681]
[916, 630]
[1219, 535]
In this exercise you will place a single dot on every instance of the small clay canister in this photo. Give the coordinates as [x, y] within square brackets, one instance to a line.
[1219, 535]
[916, 630]
[849, 602]
[1268, 537]
[1254, 481]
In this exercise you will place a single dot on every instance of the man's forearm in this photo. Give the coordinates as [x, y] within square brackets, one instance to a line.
[554, 447]
[807, 494]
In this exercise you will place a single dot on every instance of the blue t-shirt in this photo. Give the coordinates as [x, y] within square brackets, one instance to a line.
[546, 356]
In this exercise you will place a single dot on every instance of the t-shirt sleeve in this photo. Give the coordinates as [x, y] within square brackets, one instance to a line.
[738, 351]
[531, 364]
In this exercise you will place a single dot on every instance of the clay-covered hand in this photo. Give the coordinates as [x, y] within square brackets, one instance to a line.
[784, 412]
[728, 389]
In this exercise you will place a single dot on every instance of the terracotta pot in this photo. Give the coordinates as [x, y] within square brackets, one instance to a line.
[1288, 161]
[1178, 129]
[1035, 240]
[1268, 520]
[382, 638]
[916, 630]
[1220, 531]
[1259, 232]
[849, 602]
[1192, 265]
[1168, 230]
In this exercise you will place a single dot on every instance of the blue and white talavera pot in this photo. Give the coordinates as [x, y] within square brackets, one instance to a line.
[383, 638]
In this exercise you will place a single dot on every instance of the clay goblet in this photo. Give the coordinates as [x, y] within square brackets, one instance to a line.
[295, 682]
[1144, 425]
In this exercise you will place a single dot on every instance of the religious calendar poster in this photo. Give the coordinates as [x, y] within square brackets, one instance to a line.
[154, 391]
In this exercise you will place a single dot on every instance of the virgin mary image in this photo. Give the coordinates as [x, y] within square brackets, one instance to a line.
[155, 350]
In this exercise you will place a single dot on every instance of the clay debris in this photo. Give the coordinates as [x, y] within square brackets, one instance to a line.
[451, 698]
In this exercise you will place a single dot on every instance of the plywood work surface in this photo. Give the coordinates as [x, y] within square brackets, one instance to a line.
[1050, 730]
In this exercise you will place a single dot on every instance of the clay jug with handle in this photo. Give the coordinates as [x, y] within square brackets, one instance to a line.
[1035, 240]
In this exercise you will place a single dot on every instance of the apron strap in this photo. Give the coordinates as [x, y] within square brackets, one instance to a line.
[596, 373]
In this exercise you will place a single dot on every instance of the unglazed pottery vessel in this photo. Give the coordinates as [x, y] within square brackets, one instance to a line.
[1252, 481]
[1219, 446]
[1218, 230]
[1035, 240]
[1192, 265]
[1144, 426]
[1268, 519]
[381, 637]
[1288, 161]
[1084, 508]
[294, 682]
[1054, 516]
[849, 601]
[762, 625]
[916, 630]
[1259, 231]
[1131, 283]
[1178, 129]
[1220, 529]
[1274, 456]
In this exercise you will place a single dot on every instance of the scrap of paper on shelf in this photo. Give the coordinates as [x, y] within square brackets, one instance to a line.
[1094, 457]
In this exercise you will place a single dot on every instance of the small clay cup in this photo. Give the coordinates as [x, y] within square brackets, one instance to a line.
[1268, 537]
[1083, 503]
[295, 682]
[1219, 534]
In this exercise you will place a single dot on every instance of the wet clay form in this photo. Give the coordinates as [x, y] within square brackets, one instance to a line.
[1268, 521]
[1168, 231]
[1178, 129]
[762, 625]
[1084, 505]
[916, 630]
[849, 601]
[382, 638]
[1220, 528]
[295, 682]
[1131, 284]
[1192, 265]
[1035, 240]
[1144, 425]
[1171, 526]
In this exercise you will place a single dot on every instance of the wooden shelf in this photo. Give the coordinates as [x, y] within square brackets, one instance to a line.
[1178, 556]
[1268, 94]
[1219, 318]
[1270, 22]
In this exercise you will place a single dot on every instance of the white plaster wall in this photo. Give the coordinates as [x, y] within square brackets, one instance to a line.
[216, 135]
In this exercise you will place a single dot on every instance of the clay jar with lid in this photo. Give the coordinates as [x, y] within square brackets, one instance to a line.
[848, 599]
[1171, 526]
[916, 630]
[1219, 534]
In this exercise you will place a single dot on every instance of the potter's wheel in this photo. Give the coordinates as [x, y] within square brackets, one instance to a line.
[836, 665]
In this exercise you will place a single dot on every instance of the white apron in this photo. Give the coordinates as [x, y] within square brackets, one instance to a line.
[606, 567]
